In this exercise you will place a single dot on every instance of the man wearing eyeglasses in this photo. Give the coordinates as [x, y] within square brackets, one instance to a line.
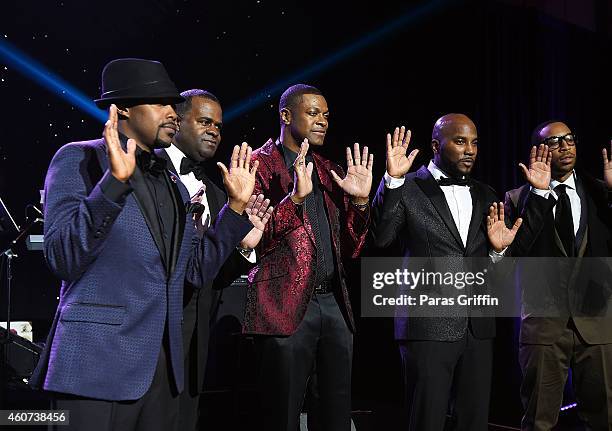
[565, 215]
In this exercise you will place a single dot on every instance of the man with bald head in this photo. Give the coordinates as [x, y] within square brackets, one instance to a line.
[440, 211]
[567, 215]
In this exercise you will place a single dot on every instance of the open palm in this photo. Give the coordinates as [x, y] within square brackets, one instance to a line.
[607, 167]
[259, 211]
[538, 174]
[398, 163]
[358, 180]
[498, 233]
[122, 164]
[239, 181]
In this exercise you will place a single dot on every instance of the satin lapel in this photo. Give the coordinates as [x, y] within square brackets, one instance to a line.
[586, 209]
[164, 155]
[139, 186]
[426, 182]
[558, 241]
[182, 196]
[477, 213]
[212, 197]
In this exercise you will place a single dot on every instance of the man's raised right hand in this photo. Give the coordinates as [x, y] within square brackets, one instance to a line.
[122, 164]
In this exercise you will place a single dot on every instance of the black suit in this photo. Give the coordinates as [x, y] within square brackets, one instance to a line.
[198, 307]
[438, 351]
[575, 333]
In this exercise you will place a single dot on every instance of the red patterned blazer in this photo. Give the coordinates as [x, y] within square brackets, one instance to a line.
[281, 285]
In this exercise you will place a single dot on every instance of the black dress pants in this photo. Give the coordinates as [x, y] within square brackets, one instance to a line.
[287, 362]
[435, 370]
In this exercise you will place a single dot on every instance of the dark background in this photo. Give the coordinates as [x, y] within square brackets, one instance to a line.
[507, 64]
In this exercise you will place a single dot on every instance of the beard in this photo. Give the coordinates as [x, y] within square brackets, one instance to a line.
[452, 168]
[158, 142]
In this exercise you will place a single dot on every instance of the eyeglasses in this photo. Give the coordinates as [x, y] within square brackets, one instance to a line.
[554, 142]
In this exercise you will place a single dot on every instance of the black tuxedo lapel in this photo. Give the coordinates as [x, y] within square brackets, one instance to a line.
[479, 209]
[213, 198]
[164, 155]
[432, 190]
[179, 220]
[585, 210]
[140, 188]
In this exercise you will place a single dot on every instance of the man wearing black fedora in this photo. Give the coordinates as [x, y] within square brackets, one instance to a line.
[118, 232]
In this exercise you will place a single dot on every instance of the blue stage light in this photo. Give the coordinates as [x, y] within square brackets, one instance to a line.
[40, 74]
[258, 98]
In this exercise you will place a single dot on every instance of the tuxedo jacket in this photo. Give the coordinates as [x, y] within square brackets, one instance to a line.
[579, 288]
[200, 304]
[117, 297]
[417, 216]
[282, 283]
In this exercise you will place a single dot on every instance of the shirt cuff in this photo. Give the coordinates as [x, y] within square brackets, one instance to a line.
[495, 256]
[393, 183]
[113, 189]
[250, 256]
[540, 192]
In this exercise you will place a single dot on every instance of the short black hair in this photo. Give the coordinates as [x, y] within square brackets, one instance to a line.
[293, 95]
[535, 135]
[188, 95]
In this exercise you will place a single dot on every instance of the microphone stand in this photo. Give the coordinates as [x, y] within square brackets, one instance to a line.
[10, 254]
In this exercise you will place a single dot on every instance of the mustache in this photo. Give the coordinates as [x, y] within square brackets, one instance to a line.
[173, 124]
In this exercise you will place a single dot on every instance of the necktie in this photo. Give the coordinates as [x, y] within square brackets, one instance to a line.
[466, 181]
[310, 205]
[188, 165]
[563, 220]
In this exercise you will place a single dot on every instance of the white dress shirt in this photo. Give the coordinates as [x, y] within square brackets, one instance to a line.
[572, 194]
[459, 200]
[193, 186]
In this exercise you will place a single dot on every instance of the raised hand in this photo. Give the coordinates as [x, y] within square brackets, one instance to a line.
[302, 176]
[122, 164]
[607, 167]
[398, 164]
[538, 174]
[239, 181]
[358, 180]
[499, 235]
[259, 212]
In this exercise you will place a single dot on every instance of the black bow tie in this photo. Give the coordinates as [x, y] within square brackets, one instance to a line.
[188, 165]
[151, 163]
[466, 181]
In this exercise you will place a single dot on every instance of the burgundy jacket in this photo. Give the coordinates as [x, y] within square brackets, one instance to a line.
[281, 285]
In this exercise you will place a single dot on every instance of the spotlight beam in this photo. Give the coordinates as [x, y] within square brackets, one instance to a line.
[32, 69]
[313, 69]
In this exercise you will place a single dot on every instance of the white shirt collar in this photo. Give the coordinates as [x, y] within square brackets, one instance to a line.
[570, 182]
[436, 172]
[176, 156]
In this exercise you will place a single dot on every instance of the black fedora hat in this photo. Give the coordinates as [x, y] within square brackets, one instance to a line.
[135, 79]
